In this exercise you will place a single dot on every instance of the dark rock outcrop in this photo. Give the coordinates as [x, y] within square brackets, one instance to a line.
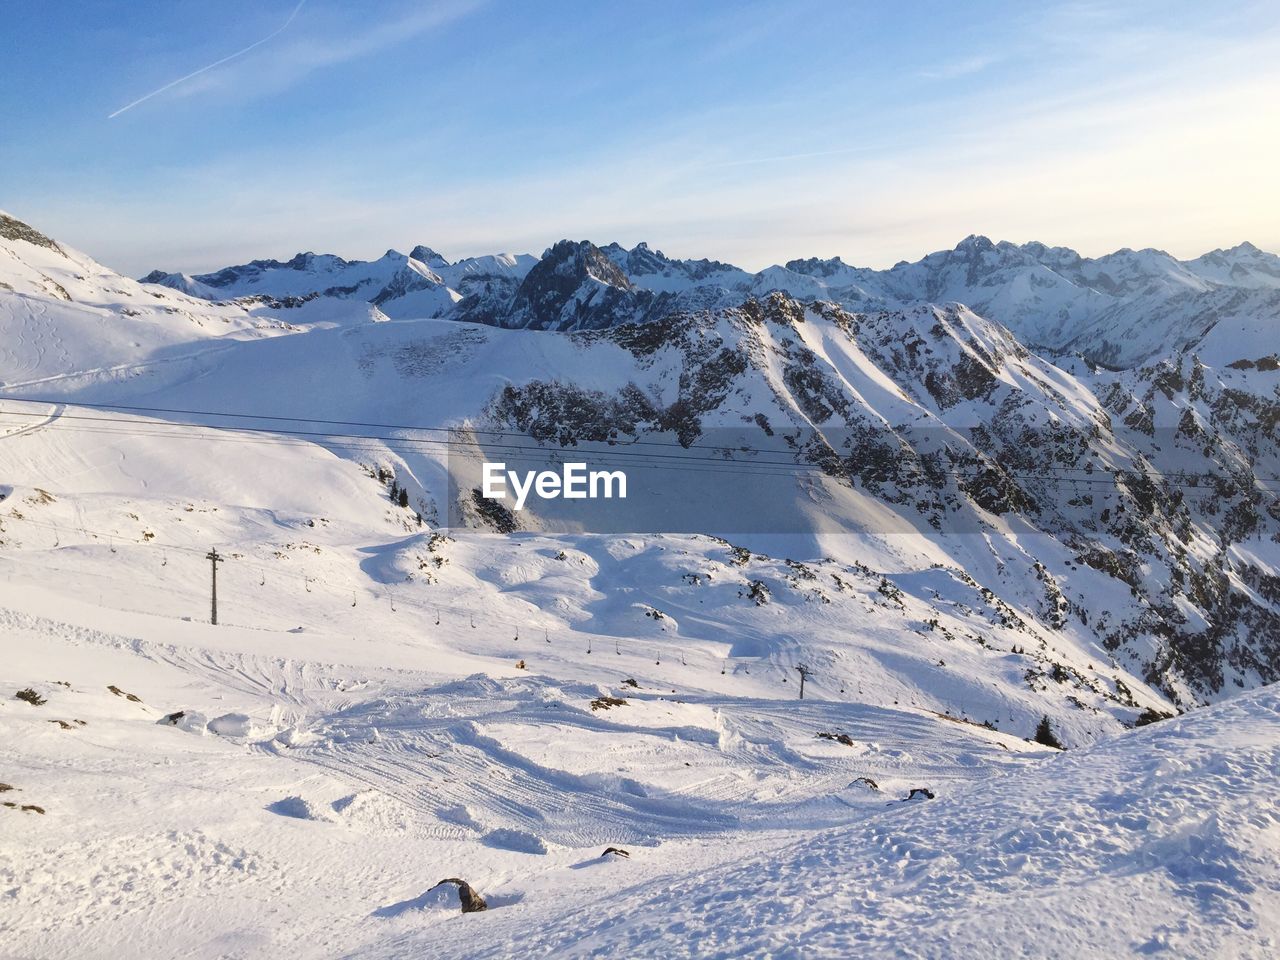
[472, 901]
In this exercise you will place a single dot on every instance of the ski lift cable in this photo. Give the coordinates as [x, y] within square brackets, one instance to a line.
[164, 428]
[453, 431]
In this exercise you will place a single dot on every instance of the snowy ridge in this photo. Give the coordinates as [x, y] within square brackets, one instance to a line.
[64, 314]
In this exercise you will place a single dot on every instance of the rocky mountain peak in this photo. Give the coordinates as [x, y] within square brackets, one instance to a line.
[578, 260]
[11, 228]
[424, 254]
[818, 267]
[975, 244]
[311, 260]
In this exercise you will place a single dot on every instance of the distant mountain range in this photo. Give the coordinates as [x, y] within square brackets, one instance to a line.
[1120, 310]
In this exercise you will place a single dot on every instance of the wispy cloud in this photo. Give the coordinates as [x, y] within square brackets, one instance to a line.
[788, 157]
[957, 68]
[217, 63]
[329, 37]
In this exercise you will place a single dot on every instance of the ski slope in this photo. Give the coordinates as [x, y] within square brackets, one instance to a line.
[1160, 842]
[340, 750]
[67, 320]
[346, 778]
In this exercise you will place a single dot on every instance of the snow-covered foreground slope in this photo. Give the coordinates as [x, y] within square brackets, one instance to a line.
[1162, 842]
[348, 737]
[318, 786]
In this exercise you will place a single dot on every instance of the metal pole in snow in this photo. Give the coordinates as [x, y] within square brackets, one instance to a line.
[804, 675]
[214, 559]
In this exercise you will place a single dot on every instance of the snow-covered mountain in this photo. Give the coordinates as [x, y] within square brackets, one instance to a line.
[963, 541]
[65, 315]
[1244, 265]
[420, 284]
[652, 270]
[1121, 310]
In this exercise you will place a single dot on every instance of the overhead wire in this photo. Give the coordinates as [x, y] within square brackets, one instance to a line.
[158, 428]
[457, 434]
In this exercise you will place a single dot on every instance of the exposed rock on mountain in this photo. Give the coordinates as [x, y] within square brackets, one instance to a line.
[1155, 483]
[573, 287]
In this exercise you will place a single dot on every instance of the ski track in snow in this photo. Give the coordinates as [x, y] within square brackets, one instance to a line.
[56, 410]
[396, 753]
[430, 749]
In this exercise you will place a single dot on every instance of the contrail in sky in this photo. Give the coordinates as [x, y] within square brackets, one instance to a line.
[239, 53]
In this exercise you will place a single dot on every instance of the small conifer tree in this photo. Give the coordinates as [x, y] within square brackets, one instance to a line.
[1045, 734]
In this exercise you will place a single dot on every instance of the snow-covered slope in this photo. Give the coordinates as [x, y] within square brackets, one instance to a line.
[358, 727]
[62, 314]
[421, 284]
[304, 275]
[183, 283]
[329, 767]
[358, 723]
[1244, 265]
[1121, 309]
[1163, 841]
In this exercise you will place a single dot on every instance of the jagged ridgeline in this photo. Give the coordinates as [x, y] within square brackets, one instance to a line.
[1121, 310]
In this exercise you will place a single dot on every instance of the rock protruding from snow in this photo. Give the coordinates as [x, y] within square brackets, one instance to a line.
[471, 900]
[12, 228]
[190, 721]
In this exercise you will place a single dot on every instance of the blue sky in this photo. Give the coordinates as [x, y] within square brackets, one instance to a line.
[749, 131]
